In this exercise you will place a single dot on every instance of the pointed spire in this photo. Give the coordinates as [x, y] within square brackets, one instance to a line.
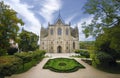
[59, 16]
[59, 19]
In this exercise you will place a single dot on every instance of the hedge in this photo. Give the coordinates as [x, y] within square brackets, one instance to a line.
[9, 65]
[84, 53]
[12, 64]
[63, 65]
[29, 56]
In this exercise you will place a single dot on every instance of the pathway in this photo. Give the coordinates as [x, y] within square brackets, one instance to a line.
[88, 72]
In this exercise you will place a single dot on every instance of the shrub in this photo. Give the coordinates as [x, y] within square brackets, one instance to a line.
[26, 57]
[102, 59]
[12, 50]
[2, 52]
[84, 53]
[30, 56]
[9, 65]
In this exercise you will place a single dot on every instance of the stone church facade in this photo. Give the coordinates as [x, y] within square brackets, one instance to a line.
[59, 38]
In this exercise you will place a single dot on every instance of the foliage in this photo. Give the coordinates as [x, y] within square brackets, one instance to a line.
[86, 44]
[2, 52]
[105, 26]
[106, 13]
[19, 63]
[9, 65]
[29, 59]
[8, 25]
[63, 65]
[109, 42]
[84, 53]
[102, 59]
[12, 50]
[113, 70]
[29, 56]
[28, 41]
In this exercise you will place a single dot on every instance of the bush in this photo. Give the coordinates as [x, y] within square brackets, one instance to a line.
[102, 59]
[2, 52]
[30, 59]
[12, 50]
[29, 56]
[84, 53]
[12, 64]
[9, 65]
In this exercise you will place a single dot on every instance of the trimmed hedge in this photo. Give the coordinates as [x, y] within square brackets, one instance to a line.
[29, 56]
[9, 65]
[84, 53]
[63, 65]
[16, 63]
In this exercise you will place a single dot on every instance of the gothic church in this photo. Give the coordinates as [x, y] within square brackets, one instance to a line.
[59, 38]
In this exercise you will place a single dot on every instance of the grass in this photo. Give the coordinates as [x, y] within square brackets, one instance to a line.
[64, 65]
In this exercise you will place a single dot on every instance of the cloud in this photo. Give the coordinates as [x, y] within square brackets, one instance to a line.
[31, 22]
[48, 8]
[81, 34]
[69, 19]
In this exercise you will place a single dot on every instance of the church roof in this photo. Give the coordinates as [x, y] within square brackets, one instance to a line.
[59, 20]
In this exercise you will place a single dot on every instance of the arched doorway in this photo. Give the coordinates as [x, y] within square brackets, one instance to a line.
[59, 49]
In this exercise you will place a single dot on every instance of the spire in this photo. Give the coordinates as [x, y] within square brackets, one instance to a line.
[59, 19]
[59, 16]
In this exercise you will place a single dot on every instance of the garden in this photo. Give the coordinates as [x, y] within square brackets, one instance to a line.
[19, 62]
[63, 65]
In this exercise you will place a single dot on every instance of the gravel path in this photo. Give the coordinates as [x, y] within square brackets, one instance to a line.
[88, 72]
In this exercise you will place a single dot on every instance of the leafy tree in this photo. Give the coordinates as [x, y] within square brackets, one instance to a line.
[86, 44]
[8, 25]
[28, 41]
[106, 14]
[105, 25]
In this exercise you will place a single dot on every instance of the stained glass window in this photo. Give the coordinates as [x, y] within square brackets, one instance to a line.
[59, 31]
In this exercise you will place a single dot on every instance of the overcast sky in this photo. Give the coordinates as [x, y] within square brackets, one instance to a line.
[35, 13]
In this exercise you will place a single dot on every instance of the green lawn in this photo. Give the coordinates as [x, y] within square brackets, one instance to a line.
[63, 65]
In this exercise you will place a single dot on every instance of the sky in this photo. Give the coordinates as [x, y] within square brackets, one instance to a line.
[37, 13]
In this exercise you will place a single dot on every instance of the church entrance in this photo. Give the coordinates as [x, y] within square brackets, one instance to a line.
[59, 49]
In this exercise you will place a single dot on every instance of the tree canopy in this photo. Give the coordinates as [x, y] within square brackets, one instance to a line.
[28, 41]
[8, 25]
[105, 26]
[106, 14]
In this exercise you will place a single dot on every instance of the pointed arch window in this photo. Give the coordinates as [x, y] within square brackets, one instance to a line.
[59, 31]
[67, 31]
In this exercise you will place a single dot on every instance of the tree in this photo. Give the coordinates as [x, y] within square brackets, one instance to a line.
[8, 25]
[105, 25]
[28, 41]
[106, 14]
